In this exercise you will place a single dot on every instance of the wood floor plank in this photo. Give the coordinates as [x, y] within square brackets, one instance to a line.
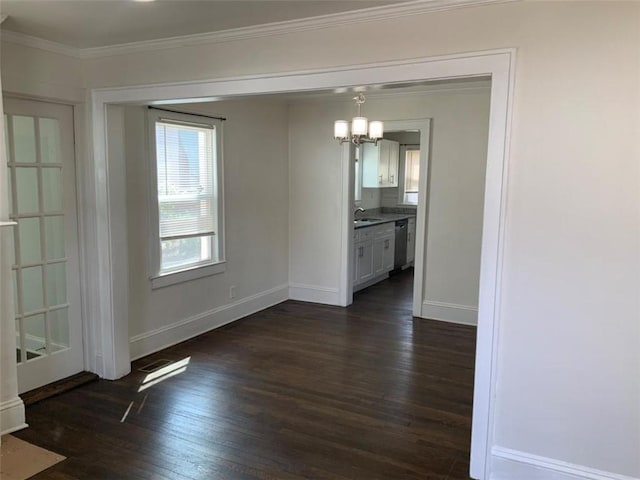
[298, 391]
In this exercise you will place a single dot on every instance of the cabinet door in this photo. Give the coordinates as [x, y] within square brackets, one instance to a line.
[383, 164]
[411, 241]
[356, 253]
[394, 155]
[365, 262]
[370, 158]
[378, 256]
[388, 254]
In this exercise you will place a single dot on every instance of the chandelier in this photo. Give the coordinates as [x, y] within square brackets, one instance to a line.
[362, 130]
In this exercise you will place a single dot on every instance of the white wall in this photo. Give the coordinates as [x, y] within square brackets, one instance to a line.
[572, 195]
[371, 198]
[568, 385]
[458, 158]
[256, 206]
[34, 72]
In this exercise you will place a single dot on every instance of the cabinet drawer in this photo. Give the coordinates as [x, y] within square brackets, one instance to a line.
[367, 233]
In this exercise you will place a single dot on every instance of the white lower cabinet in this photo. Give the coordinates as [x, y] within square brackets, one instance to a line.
[373, 256]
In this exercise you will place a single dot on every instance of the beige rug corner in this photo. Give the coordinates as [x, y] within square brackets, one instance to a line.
[20, 460]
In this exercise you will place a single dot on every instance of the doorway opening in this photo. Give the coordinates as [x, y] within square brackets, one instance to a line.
[385, 214]
[496, 64]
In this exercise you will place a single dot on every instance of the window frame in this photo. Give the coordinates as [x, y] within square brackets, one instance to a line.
[202, 269]
[402, 174]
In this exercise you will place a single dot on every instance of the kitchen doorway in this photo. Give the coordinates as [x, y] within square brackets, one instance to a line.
[386, 220]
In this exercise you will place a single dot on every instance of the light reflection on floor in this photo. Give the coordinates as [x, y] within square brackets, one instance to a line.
[154, 378]
[165, 372]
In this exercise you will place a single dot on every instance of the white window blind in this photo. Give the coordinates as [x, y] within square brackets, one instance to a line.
[411, 176]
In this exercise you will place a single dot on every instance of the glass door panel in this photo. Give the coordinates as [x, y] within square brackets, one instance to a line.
[46, 274]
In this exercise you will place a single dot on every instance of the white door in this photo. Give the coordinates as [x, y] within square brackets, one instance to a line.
[40, 155]
[365, 262]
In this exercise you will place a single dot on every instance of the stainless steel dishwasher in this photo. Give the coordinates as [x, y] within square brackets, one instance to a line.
[400, 257]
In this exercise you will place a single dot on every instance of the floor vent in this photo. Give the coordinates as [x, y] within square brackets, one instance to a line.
[156, 365]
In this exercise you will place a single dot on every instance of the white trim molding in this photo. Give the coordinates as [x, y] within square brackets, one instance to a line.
[352, 17]
[314, 294]
[12, 416]
[511, 464]
[450, 312]
[39, 43]
[168, 335]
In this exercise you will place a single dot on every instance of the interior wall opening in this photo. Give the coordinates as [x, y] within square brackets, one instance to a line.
[469, 66]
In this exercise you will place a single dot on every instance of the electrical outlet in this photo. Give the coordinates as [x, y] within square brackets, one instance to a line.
[232, 291]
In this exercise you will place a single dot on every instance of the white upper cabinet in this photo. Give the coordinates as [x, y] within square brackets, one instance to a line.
[380, 164]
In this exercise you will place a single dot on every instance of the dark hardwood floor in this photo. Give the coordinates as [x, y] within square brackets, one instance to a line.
[296, 391]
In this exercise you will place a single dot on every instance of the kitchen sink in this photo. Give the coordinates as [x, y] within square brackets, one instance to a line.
[360, 222]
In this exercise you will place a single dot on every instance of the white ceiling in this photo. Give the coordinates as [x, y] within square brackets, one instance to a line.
[97, 23]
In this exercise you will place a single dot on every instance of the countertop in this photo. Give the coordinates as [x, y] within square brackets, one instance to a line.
[380, 218]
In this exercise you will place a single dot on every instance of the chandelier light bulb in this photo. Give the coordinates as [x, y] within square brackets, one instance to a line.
[359, 126]
[341, 129]
[376, 129]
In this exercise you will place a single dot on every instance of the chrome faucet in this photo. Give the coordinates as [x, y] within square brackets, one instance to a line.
[359, 209]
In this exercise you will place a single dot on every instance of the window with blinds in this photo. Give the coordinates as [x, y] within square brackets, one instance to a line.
[411, 176]
[187, 188]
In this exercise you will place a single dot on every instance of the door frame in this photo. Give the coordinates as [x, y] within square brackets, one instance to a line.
[422, 212]
[109, 356]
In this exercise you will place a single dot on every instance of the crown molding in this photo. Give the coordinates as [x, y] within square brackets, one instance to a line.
[40, 43]
[411, 8]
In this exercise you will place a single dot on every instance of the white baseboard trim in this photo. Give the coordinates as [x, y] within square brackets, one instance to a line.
[508, 464]
[314, 294]
[163, 337]
[450, 312]
[12, 416]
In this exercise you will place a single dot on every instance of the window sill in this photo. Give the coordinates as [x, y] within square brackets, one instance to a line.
[182, 276]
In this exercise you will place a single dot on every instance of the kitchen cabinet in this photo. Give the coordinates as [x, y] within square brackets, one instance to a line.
[364, 262]
[373, 254]
[383, 250]
[388, 250]
[380, 164]
[411, 241]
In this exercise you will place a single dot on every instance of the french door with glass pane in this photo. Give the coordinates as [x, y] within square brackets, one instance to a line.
[40, 155]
